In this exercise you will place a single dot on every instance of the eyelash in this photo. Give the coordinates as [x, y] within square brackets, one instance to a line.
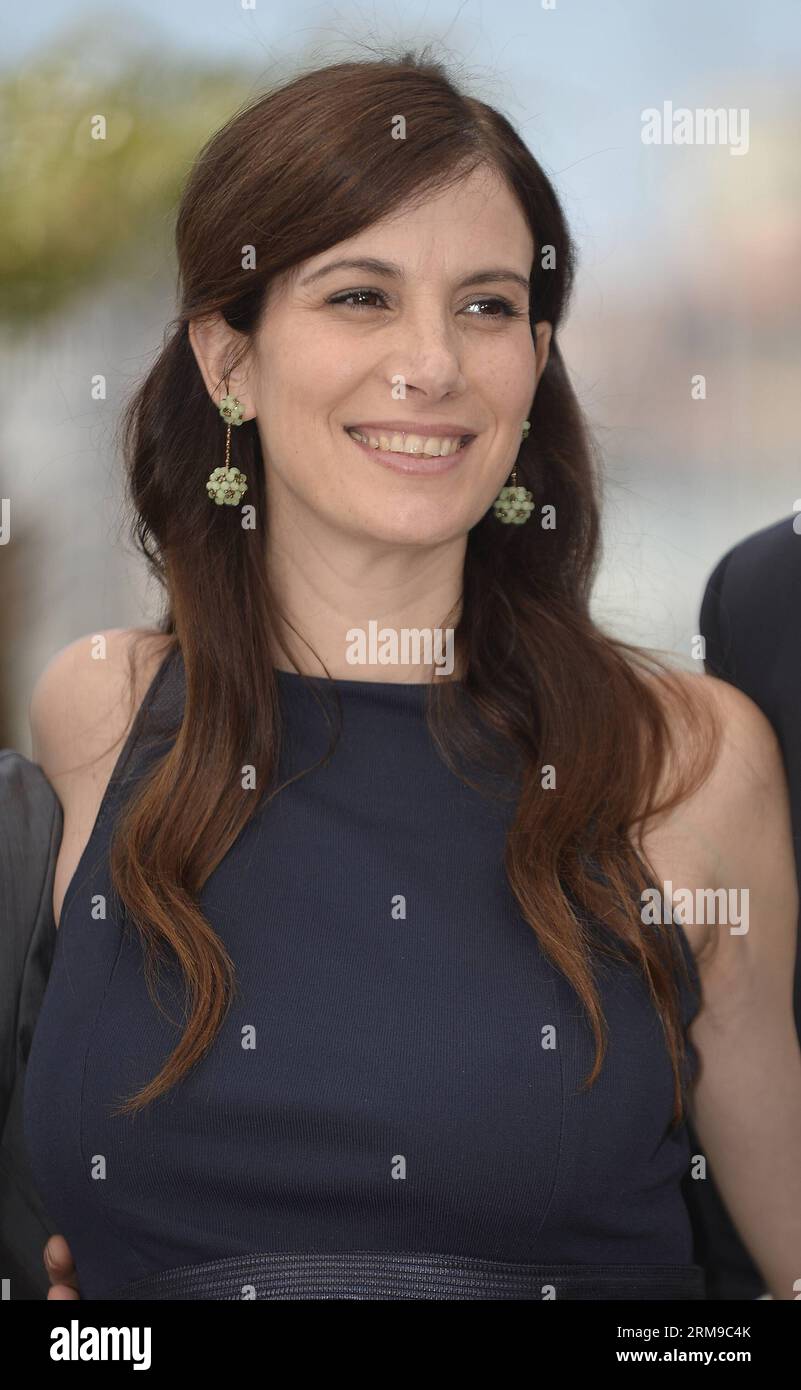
[509, 310]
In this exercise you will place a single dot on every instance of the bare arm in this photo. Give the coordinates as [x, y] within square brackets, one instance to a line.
[746, 1105]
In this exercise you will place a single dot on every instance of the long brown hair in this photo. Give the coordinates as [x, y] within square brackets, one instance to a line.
[293, 174]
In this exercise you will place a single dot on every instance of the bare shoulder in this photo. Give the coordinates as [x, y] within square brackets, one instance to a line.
[87, 695]
[81, 709]
[733, 830]
[748, 755]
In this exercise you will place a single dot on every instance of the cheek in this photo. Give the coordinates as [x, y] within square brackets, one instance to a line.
[502, 374]
[317, 392]
[516, 373]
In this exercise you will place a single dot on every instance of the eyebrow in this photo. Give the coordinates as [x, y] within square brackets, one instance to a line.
[375, 267]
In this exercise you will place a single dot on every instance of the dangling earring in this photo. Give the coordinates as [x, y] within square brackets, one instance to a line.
[227, 485]
[515, 504]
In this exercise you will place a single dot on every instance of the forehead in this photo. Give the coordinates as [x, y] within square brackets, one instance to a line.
[477, 221]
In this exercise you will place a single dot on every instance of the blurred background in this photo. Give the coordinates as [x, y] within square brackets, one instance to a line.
[689, 264]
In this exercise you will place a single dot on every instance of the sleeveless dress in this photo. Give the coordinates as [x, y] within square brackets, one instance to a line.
[392, 1107]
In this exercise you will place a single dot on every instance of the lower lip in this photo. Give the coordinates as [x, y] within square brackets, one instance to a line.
[419, 465]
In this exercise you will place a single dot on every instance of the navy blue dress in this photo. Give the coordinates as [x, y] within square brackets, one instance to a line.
[379, 1116]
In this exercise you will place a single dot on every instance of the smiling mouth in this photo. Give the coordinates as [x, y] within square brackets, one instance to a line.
[414, 463]
[410, 445]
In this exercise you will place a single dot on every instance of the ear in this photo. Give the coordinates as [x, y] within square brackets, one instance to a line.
[544, 331]
[214, 344]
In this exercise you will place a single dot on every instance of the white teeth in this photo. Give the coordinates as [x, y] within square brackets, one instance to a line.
[398, 443]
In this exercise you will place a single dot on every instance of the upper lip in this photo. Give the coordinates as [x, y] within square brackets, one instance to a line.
[426, 431]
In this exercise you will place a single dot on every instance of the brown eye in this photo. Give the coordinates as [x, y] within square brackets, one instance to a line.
[353, 294]
[507, 310]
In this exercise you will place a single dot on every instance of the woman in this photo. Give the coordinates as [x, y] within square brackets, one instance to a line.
[357, 991]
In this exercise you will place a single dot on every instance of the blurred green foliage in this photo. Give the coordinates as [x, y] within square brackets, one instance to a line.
[77, 209]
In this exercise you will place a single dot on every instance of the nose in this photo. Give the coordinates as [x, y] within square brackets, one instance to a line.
[426, 354]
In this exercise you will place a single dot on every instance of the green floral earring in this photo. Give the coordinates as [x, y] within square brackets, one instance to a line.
[227, 485]
[515, 504]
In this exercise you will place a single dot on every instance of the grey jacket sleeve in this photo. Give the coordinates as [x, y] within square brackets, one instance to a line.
[31, 825]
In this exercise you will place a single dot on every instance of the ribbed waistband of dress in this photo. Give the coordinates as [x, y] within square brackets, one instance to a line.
[380, 1275]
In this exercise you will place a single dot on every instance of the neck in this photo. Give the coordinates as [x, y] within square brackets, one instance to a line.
[361, 608]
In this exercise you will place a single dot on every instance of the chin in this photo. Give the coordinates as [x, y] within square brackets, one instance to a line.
[417, 525]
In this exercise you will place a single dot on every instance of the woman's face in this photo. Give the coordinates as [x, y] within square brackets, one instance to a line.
[429, 346]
